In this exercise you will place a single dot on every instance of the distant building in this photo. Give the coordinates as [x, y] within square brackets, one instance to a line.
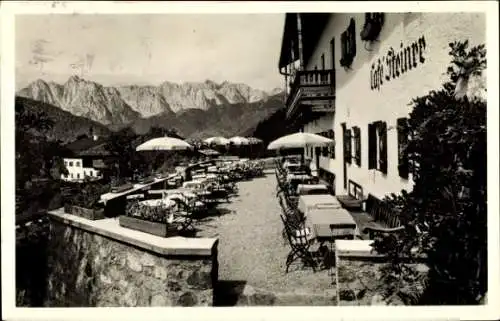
[352, 76]
[87, 162]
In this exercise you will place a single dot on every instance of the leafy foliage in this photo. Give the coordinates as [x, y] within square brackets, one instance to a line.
[157, 214]
[445, 213]
[36, 155]
[89, 195]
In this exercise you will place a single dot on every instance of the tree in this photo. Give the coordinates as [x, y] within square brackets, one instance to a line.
[445, 213]
[32, 153]
[121, 145]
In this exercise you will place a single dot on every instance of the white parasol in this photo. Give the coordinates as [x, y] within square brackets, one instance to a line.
[164, 143]
[238, 140]
[217, 140]
[299, 140]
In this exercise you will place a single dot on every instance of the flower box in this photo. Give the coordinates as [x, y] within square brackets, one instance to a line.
[88, 213]
[155, 228]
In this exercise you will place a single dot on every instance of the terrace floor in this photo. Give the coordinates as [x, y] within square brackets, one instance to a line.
[252, 253]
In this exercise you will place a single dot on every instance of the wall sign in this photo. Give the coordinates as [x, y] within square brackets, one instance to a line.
[397, 62]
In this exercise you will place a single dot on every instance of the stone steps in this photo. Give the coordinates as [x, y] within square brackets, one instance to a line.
[247, 295]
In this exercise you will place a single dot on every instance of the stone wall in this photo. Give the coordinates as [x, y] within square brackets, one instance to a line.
[87, 269]
[360, 278]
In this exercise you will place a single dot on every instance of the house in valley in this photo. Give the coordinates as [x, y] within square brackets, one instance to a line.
[87, 161]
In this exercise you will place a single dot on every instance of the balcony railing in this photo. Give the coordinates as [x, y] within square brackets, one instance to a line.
[312, 88]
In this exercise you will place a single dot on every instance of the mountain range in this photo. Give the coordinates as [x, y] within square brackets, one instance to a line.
[194, 109]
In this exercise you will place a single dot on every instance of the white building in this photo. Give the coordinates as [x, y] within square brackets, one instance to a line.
[87, 160]
[353, 77]
[77, 172]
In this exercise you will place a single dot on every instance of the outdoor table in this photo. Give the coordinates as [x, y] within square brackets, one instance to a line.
[307, 189]
[298, 177]
[320, 201]
[198, 176]
[328, 223]
[158, 202]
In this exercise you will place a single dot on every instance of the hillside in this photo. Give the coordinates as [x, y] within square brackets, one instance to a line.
[225, 120]
[271, 127]
[66, 125]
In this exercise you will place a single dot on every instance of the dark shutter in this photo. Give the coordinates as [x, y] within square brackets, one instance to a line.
[382, 143]
[352, 39]
[348, 146]
[343, 45]
[372, 146]
[357, 145]
[403, 133]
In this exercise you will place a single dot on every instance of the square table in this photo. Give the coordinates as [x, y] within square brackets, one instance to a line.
[329, 223]
[298, 177]
[305, 189]
[320, 201]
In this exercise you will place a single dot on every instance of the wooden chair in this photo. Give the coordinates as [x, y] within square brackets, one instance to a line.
[385, 220]
[300, 242]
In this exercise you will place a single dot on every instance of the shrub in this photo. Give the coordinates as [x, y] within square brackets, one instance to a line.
[88, 195]
[445, 213]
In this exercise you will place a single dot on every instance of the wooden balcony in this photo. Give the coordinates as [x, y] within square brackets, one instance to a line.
[311, 91]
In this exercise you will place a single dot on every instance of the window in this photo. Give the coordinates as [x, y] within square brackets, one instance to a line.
[323, 62]
[65, 163]
[72, 175]
[356, 131]
[348, 45]
[78, 175]
[377, 146]
[70, 164]
[91, 173]
[403, 139]
[77, 164]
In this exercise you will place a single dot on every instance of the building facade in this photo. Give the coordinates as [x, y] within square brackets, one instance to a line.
[86, 161]
[77, 172]
[352, 77]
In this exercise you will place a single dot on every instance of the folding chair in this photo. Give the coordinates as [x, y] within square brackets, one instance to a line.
[300, 241]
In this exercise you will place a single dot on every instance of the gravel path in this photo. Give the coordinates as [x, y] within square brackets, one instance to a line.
[251, 248]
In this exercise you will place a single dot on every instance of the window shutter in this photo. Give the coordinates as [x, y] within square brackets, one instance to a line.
[403, 133]
[383, 147]
[372, 146]
[352, 38]
[348, 146]
[357, 142]
[343, 47]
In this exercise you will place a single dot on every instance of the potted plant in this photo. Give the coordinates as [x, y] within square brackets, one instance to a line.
[156, 220]
[86, 202]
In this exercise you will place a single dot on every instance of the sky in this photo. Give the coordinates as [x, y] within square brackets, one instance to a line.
[150, 49]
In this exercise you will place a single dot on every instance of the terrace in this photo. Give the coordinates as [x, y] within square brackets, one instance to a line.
[237, 255]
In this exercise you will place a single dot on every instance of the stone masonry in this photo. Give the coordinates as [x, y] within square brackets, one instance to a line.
[90, 270]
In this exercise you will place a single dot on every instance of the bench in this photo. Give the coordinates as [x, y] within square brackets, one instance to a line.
[384, 219]
[354, 199]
